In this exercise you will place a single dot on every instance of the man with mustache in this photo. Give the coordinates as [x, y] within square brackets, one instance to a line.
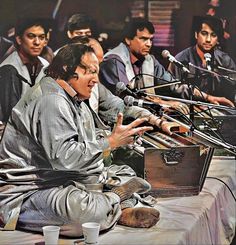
[132, 57]
[52, 144]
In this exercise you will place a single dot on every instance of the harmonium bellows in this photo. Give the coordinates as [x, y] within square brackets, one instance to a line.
[174, 165]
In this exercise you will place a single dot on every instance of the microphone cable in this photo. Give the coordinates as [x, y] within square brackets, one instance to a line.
[218, 134]
[210, 177]
[214, 121]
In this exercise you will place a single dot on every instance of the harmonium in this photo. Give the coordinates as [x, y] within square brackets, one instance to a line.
[217, 122]
[174, 165]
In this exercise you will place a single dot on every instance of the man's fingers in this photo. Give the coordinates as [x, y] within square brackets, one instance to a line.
[140, 130]
[227, 102]
[137, 122]
[119, 119]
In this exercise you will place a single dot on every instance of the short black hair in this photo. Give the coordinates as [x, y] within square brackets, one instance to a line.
[68, 56]
[130, 29]
[214, 23]
[25, 23]
[80, 39]
[80, 21]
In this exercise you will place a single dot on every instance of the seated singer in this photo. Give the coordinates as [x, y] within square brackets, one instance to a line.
[51, 153]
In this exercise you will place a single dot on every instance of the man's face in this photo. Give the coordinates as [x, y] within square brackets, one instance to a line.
[88, 76]
[32, 42]
[141, 44]
[206, 38]
[80, 33]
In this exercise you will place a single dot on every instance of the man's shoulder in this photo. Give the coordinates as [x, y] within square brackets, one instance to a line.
[7, 70]
[218, 52]
[112, 58]
[112, 61]
[185, 52]
[224, 59]
[11, 59]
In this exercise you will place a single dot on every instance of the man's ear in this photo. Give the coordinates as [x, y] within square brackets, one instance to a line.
[18, 40]
[69, 34]
[127, 40]
[196, 34]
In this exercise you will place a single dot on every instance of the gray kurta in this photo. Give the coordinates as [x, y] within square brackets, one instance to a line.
[48, 130]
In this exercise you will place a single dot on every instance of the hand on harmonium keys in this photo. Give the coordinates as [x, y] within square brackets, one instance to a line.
[219, 100]
[175, 105]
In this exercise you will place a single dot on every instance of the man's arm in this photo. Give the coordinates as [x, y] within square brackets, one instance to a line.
[10, 92]
[112, 71]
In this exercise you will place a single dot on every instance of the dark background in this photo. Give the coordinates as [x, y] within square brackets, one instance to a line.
[110, 16]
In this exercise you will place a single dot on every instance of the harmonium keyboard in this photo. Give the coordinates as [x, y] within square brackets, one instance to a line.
[217, 122]
[174, 165]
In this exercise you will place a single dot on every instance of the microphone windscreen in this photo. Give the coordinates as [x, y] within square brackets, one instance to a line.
[207, 56]
[120, 87]
[165, 53]
[129, 100]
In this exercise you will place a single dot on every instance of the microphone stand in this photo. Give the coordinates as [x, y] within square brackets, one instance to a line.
[167, 83]
[159, 86]
[208, 140]
[215, 74]
[194, 102]
[226, 69]
[191, 106]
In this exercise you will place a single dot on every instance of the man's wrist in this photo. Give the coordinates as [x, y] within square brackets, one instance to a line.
[207, 97]
[154, 120]
[157, 121]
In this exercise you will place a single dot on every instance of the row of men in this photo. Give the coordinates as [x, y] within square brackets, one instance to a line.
[55, 145]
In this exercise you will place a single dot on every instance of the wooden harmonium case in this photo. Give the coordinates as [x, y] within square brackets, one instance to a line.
[217, 122]
[174, 165]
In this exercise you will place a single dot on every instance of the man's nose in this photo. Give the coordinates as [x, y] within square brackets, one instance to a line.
[95, 78]
[37, 40]
[149, 43]
[208, 38]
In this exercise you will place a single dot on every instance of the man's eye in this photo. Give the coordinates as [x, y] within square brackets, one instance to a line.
[204, 33]
[144, 39]
[31, 36]
[42, 37]
[92, 72]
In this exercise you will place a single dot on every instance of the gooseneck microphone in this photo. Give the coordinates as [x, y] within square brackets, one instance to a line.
[166, 54]
[131, 101]
[207, 57]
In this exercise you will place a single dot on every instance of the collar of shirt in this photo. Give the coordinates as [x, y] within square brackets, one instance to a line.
[201, 55]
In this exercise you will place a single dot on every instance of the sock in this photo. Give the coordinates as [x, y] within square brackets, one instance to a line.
[128, 203]
[136, 184]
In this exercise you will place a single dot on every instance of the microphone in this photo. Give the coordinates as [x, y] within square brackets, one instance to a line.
[122, 91]
[207, 57]
[166, 54]
[131, 101]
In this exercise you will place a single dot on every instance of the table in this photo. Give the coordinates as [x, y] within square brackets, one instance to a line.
[209, 218]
